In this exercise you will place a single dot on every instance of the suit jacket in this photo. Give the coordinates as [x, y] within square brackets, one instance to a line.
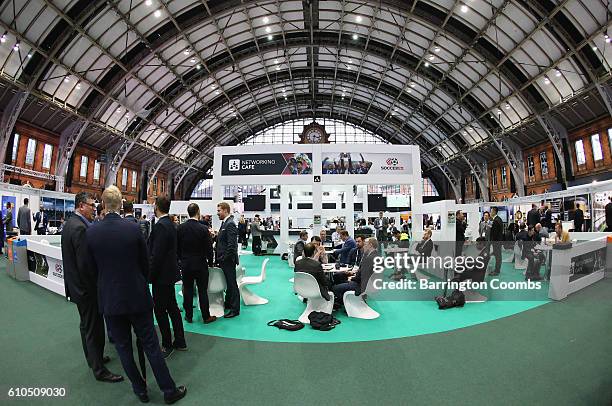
[131, 218]
[425, 248]
[497, 229]
[533, 217]
[8, 220]
[227, 242]
[79, 276]
[345, 251]
[24, 219]
[609, 216]
[355, 256]
[162, 246]
[460, 230]
[42, 221]
[309, 265]
[484, 229]
[366, 269]
[194, 247]
[120, 260]
[578, 219]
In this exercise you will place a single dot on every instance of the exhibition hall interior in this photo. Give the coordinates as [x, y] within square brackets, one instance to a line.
[305, 202]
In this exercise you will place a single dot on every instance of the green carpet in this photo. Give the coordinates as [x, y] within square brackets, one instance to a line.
[405, 318]
[556, 354]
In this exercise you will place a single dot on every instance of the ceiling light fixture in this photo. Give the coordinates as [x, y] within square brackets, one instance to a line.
[507, 106]
[217, 92]
[608, 40]
[431, 57]
[268, 30]
[499, 111]
[157, 13]
[557, 73]
[409, 90]
[78, 86]
[199, 67]
[427, 64]
[29, 54]
[66, 79]
[437, 49]
[594, 48]
[412, 84]
[149, 3]
[270, 37]
[119, 110]
[192, 60]
[266, 20]
[3, 38]
[546, 80]
[277, 67]
[213, 86]
[358, 19]
[464, 8]
[186, 51]
[16, 47]
[355, 37]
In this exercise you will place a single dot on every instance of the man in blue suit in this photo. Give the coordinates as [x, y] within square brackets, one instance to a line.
[227, 258]
[343, 254]
[120, 261]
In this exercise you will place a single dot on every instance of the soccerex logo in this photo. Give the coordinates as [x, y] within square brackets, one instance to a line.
[234, 165]
[392, 164]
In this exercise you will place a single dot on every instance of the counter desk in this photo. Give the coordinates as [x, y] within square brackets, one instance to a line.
[45, 262]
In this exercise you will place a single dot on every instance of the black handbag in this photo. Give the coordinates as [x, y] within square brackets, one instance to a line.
[322, 321]
[286, 324]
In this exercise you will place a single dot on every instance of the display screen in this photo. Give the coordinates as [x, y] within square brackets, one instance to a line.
[398, 201]
[254, 203]
[377, 203]
[503, 214]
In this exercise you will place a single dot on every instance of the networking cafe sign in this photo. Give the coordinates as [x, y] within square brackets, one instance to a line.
[267, 164]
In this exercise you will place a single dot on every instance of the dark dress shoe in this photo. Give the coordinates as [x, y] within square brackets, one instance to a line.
[182, 347]
[166, 352]
[188, 319]
[230, 314]
[106, 359]
[210, 319]
[109, 377]
[179, 394]
[143, 397]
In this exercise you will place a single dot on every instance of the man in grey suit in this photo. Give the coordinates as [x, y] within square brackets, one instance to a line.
[8, 220]
[24, 218]
[381, 224]
[227, 258]
[359, 281]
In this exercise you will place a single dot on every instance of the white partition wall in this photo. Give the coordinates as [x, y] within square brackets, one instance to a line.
[275, 165]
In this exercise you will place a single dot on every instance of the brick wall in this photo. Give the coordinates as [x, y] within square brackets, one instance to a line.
[592, 167]
[498, 189]
[540, 182]
[85, 183]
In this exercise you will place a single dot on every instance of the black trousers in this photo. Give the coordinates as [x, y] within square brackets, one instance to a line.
[232, 295]
[256, 245]
[92, 335]
[24, 232]
[164, 304]
[199, 277]
[41, 231]
[459, 248]
[497, 246]
[121, 328]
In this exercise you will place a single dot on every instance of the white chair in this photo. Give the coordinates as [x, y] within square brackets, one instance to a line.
[249, 298]
[519, 263]
[306, 286]
[216, 287]
[356, 306]
[240, 272]
[507, 255]
[296, 260]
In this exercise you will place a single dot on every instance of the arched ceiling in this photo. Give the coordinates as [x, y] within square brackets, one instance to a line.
[181, 77]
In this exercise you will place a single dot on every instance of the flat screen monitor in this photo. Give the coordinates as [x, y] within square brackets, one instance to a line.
[402, 201]
[503, 214]
[358, 206]
[304, 206]
[330, 206]
[275, 207]
[254, 203]
[377, 203]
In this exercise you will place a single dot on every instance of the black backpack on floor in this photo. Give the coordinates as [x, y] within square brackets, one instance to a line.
[286, 324]
[322, 321]
[455, 299]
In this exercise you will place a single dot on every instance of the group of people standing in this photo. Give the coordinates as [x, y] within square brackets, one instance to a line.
[108, 266]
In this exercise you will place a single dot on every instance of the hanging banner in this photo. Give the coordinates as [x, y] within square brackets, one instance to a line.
[351, 163]
[267, 164]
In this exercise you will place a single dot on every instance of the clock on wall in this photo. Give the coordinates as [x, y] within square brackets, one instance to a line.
[314, 134]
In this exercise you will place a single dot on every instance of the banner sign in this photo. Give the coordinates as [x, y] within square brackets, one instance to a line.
[267, 164]
[351, 163]
[586, 264]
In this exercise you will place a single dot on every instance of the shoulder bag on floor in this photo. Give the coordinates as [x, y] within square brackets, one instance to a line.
[286, 324]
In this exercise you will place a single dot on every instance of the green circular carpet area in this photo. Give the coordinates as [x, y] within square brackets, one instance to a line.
[397, 318]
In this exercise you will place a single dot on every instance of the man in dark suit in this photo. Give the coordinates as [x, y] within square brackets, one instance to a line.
[533, 216]
[381, 224]
[164, 274]
[298, 248]
[128, 212]
[357, 253]
[24, 218]
[227, 258]
[193, 243]
[608, 209]
[359, 281]
[41, 222]
[578, 219]
[120, 260]
[460, 226]
[497, 236]
[348, 244]
[81, 287]
[310, 265]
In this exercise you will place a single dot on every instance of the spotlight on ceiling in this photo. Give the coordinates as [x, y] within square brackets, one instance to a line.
[66, 79]
[270, 37]
[266, 20]
[464, 8]
[427, 64]
[268, 30]
[431, 57]
[157, 13]
[3, 38]
[29, 54]
[558, 73]
[507, 106]
[358, 19]
[186, 51]
[355, 37]
[412, 84]
[149, 3]
[16, 47]
[437, 49]
[199, 67]
[546, 81]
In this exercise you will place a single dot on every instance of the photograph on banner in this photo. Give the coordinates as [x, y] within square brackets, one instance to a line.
[352, 163]
[267, 164]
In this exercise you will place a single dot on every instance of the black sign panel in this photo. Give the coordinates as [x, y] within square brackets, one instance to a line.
[586, 264]
[266, 164]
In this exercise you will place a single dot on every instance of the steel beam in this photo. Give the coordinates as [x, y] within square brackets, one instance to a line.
[9, 118]
[116, 161]
[479, 169]
[556, 133]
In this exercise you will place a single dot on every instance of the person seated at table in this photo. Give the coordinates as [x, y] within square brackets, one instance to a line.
[561, 235]
[336, 240]
[359, 281]
[320, 254]
[479, 268]
[348, 244]
[523, 234]
[357, 253]
[542, 231]
[298, 248]
[535, 258]
[323, 237]
[401, 239]
[308, 264]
